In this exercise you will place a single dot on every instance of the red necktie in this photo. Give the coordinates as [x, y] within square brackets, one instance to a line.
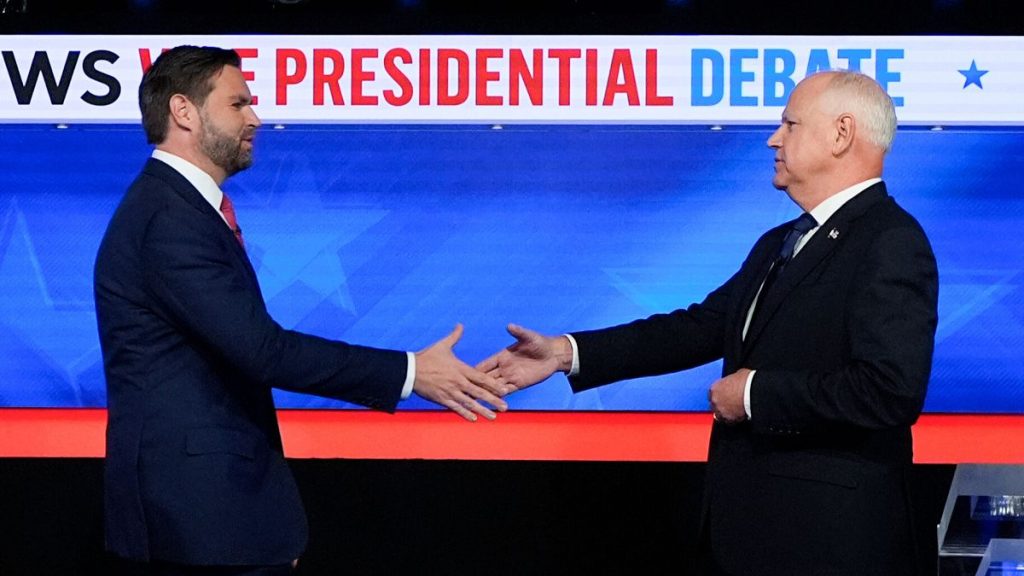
[228, 210]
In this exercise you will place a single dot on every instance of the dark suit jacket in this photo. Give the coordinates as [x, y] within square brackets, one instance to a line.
[194, 469]
[815, 483]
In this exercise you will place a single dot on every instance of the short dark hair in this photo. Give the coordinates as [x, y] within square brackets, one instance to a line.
[187, 70]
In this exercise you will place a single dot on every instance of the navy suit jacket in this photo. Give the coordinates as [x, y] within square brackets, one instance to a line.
[194, 470]
[816, 482]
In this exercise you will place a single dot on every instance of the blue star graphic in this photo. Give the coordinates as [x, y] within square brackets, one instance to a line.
[55, 333]
[297, 239]
[973, 76]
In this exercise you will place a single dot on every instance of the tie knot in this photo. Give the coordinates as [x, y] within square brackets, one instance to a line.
[226, 207]
[802, 225]
[805, 223]
[228, 210]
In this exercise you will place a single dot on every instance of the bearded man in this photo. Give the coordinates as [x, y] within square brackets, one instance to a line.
[195, 476]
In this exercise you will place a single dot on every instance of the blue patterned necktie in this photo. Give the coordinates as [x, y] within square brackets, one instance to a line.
[804, 224]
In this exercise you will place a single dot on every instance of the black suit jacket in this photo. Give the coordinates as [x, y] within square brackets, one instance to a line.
[816, 481]
[194, 470]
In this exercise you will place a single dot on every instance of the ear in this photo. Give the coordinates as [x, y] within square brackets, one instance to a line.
[183, 113]
[846, 130]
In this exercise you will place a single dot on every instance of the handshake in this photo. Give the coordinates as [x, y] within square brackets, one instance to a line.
[444, 379]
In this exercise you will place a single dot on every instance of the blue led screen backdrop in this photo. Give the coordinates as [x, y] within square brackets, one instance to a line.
[389, 235]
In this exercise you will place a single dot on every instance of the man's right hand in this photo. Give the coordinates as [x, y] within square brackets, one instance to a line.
[446, 380]
[531, 359]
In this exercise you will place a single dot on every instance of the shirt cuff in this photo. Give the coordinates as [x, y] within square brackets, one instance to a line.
[746, 392]
[575, 355]
[410, 375]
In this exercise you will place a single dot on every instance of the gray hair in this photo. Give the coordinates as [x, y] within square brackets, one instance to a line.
[862, 96]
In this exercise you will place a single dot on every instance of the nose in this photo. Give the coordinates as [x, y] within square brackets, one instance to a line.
[253, 119]
[775, 140]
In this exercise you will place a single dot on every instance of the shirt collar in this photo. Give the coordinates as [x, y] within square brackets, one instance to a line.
[833, 203]
[202, 181]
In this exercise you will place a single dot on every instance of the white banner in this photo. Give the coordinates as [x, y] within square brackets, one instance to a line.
[524, 79]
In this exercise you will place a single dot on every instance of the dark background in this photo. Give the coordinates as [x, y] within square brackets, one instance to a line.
[379, 517]
[446, 517]
[865, 17]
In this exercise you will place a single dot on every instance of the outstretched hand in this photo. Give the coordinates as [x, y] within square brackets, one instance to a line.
[444, 379]
[531, 359]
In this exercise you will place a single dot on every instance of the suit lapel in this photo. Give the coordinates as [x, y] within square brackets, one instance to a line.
[824, 241]
[188, 192]
[764, 265]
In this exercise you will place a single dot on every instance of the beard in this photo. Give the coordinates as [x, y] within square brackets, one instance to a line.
[224, 150]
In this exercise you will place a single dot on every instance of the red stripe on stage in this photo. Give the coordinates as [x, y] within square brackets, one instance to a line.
[592, 436]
